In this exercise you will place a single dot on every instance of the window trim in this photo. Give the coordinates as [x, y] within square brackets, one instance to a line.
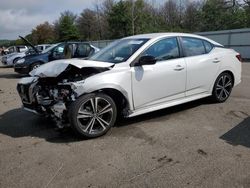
[184, 53]
[178, 45]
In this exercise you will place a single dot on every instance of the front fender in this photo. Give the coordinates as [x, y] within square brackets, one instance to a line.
[119, 80]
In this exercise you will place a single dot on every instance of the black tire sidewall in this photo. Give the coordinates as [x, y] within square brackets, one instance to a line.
[73, 111]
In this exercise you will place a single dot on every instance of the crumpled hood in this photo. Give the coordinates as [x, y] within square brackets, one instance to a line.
[54, 68]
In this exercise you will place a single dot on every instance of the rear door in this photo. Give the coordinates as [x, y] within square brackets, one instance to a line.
[82, 50]
[202, 65]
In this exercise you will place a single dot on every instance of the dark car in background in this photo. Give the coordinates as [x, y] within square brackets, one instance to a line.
[63, 50]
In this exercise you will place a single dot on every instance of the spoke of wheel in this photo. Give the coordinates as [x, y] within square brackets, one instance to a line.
[91, 127]
[226, 92]
[103, 126]
[219, 87]
[220, 81]
[91, 123]
[106, 109]
[93, 105]
[103, 121]
[220, 96]
[96, 104]
[224, 80]
[82, 114]
[228, 84]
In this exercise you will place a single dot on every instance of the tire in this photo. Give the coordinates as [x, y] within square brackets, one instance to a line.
[222, 87]
[34, 66]
[92, 115]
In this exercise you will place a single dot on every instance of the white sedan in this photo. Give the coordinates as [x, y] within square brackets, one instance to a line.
[132, 76]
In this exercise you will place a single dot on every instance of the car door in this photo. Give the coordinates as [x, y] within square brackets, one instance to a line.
[82, 50]
[163, 81]
[202, 65]
[57, 52]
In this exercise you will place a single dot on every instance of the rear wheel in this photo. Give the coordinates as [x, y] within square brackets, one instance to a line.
[93, 115]
[222, 87]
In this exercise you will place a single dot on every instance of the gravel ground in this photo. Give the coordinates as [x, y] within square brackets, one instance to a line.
[197, 144]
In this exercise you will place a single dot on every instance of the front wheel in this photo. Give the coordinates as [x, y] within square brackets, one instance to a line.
[34, 66]
[15, 60]
[93, 115]
[222, 87]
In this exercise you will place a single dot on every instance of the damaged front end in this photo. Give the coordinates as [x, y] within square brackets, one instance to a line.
[51, 95]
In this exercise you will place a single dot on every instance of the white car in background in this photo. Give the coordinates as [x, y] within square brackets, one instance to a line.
[12, 58]
[15, 49]
[13, 53]
[132, 76]
[42, 47]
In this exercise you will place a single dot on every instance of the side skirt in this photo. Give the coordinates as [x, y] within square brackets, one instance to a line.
[167, 104]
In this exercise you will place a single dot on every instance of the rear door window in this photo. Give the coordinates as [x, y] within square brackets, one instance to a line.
[193, 46]
[208, 46]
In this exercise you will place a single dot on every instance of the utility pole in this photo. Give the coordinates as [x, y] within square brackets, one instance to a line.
[132, 16]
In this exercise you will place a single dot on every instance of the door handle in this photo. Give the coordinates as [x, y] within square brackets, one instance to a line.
[178, 68]
[216, 60]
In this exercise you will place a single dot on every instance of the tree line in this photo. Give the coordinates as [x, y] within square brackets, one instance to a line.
[114, 19]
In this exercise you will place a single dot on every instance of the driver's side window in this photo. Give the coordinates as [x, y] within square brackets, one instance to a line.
[164, 49]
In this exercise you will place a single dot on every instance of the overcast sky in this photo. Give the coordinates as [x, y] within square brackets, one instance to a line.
[18, 17]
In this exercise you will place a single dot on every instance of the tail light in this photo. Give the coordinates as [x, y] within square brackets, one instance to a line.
[239, 57]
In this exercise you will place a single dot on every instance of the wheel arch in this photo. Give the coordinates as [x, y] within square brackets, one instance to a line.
[120, 100]
[37, 61]
[219, 73]
[229, 72]
[119, 96]
[16, 58]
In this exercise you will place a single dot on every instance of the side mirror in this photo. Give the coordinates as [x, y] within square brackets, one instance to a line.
[146, 60]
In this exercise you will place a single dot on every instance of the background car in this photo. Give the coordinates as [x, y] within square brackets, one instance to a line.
[42, 47]
[13, 53]
[10, 59]
[62, 50]
[15, 49]
[130, 77]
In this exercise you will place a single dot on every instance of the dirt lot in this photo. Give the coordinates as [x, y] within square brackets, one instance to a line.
[198, 144]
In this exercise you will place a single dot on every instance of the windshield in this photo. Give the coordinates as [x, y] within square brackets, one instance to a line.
[51, 47]
[119, 51]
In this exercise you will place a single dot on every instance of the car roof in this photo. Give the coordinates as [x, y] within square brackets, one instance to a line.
[160, 35]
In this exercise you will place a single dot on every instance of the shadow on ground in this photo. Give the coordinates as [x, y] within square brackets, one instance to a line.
[19, 123]
[239, 135]
[12, 75]
[160, 115]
